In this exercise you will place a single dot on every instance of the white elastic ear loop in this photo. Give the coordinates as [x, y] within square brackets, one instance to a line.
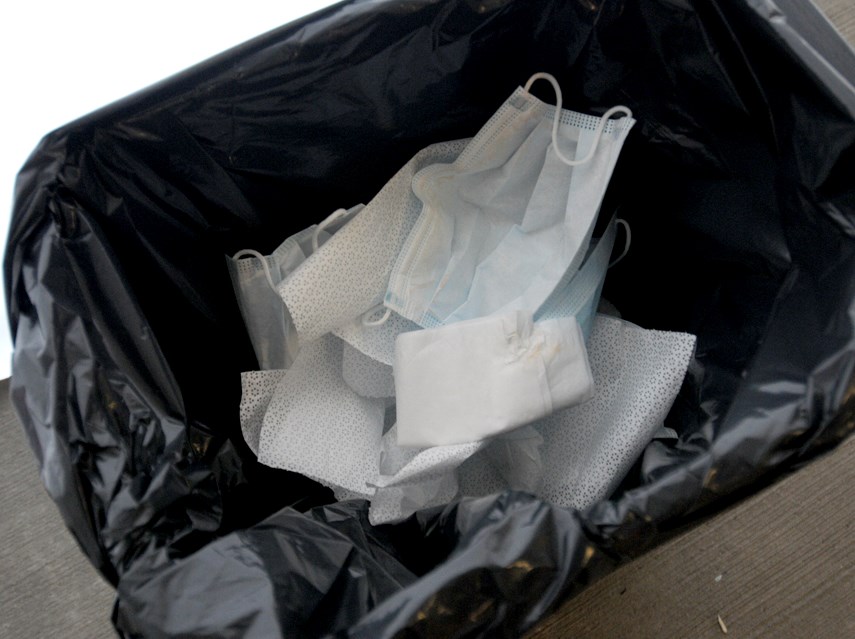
[557, 119]
[263, 260]
[378, 322]
[626, 228]
[332, 217]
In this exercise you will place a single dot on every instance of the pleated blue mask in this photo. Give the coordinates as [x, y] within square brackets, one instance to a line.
[509, 222]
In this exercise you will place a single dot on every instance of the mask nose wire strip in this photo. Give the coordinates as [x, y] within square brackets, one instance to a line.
[626, 228]
[557, 119]
[262, 259]
[332, 217]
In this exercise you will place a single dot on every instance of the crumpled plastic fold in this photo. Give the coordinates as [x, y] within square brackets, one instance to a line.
[129, 344]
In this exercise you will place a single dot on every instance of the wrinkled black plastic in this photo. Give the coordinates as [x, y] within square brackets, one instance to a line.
[738, 184]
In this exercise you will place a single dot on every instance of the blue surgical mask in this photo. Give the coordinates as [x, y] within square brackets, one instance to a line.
[508, 222]
[347, 278]
[580, 296]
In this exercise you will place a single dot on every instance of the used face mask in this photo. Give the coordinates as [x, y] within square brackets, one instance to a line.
[316, 425]
[471, 380]
[571, 458]
[581, 295]
[255, 278]
[588, 449]
[509, 221]
[347, 277]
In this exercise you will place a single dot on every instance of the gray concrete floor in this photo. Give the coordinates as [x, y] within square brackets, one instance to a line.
[780, 564]
[49, 588]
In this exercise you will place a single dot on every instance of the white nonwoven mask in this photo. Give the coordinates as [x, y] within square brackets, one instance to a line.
[255, 278]
[471, 380]
[581, 295]
[571, 458]
[316, 425]
[509, 221]
[347, 277]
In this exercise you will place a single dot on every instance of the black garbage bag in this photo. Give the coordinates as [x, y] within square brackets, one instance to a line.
[737, 181]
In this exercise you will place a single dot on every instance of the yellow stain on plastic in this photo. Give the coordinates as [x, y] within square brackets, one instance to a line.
[476, 614]
[710, 478]
[589, 554]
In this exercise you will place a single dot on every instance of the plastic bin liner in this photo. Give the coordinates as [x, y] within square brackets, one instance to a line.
[737, 181]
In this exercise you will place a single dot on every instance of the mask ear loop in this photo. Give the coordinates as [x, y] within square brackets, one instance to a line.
[378, 322]
[332, 217]
[628, 232]
[557, 119]
[263, 261]
[366, 321]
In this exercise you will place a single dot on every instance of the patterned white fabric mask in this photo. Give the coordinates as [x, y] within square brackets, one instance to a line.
[255, 278]
[316, 425]
[347, 277]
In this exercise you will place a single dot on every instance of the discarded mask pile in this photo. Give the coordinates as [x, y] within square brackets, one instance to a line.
[442, 340]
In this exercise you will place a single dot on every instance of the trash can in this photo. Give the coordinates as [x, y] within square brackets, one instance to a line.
[737, 183]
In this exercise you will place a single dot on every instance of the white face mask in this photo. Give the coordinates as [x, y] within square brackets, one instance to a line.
[316, 425]
[255, 278]
[308, 418]
[509, 221]
[471, 380]
[581, 295]
[266, 320]
[586, 449]
[347, 277]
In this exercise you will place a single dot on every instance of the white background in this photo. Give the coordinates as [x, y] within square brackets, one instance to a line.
[61, 60]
